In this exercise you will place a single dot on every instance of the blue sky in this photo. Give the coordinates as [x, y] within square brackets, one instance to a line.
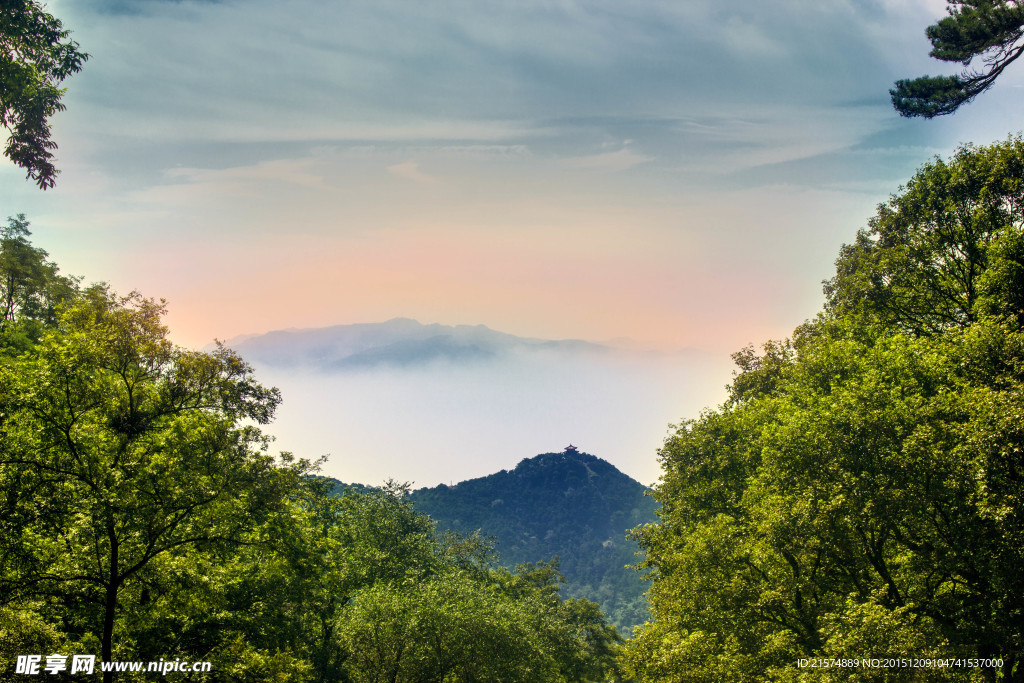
[679, 173]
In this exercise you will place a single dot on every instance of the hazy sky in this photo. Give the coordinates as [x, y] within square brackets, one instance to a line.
[678, 172]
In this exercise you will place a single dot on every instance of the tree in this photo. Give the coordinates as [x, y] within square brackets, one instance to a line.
[460, 625]
[991, 31]
[36, 55]
[447, 627]
[879, 482]
[860, 493]
[30, 286]
[328, 550]
[946, 251]
[120, 454]
[361, 587]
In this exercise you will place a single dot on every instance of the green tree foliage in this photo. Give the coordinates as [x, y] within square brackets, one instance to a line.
[30, 287]
[362, 588]
[447, 627]
[991, 31]
[860, 493]
[36, 55]
[944, 252]
[459, 626]
[121, 452]
[295, 589]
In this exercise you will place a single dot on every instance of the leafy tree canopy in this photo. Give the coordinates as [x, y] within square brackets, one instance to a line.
[120, 451]
[860, 493]
[990, 31]
[31, 287]
[946, 251]
[36, 54]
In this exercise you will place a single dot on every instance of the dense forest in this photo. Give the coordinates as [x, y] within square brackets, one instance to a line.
[145, 519]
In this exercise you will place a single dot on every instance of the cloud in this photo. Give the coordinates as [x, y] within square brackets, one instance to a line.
[371, 419]
[608, 161]
[701, 87]
[286, 171]
[410, 170]
[265, 70]
[134, 7]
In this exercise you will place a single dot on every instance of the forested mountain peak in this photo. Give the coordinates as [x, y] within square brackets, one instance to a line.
[572, 461]
[579, 484]
[569, 504]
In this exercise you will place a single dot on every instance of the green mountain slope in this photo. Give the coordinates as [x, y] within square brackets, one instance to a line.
[570, 504]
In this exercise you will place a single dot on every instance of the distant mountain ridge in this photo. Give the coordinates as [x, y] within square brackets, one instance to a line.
[570, 504]
[397, 342]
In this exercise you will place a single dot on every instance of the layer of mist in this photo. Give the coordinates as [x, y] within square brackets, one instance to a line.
[442, 404]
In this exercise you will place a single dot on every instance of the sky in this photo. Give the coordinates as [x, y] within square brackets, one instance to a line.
[681, 174]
